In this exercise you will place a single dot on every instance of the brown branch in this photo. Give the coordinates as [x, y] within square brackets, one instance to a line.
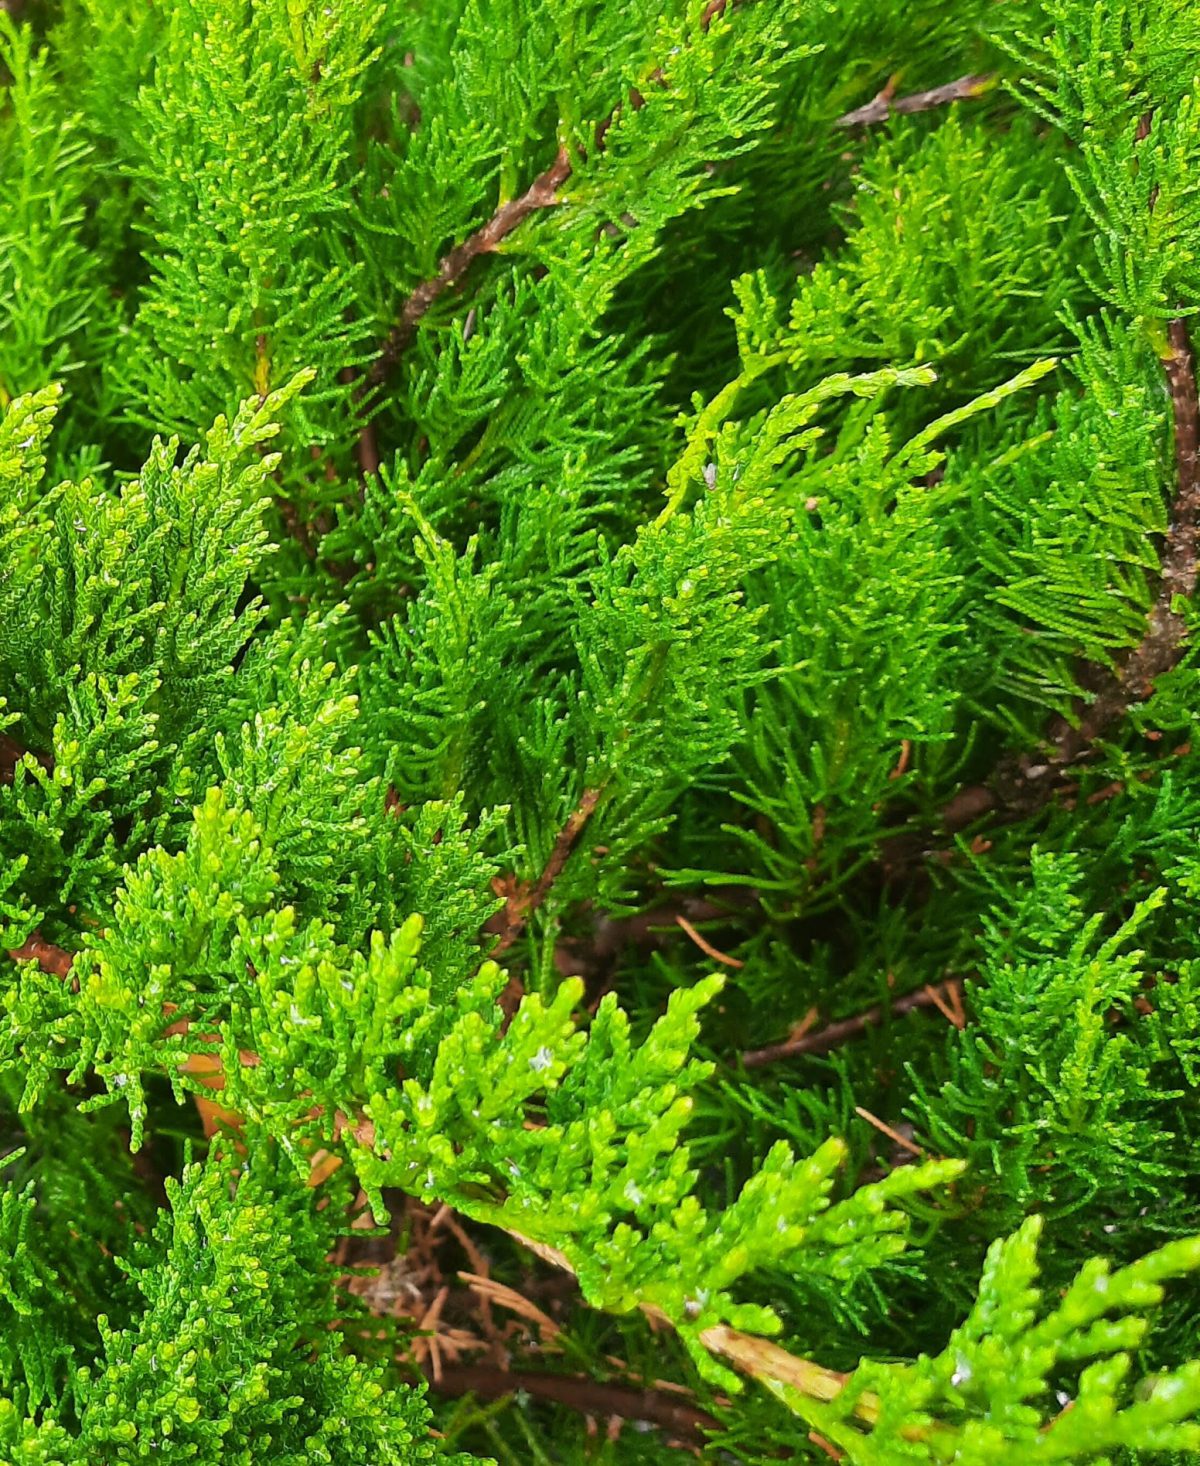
[711, 11]
[594, 954]
[755, 1356]
[885, 105]
[54, 960]
[568, 838]
[11, 754]
[1163, 643]
[822, 1040]
[524, 903]
[367, 450]
[541, 194]
[902, 1142]
[578, 1392]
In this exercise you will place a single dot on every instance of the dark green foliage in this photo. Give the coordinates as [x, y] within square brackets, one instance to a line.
[537, 557]
[1086, 1103]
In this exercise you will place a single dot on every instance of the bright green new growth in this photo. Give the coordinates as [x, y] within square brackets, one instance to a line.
[224, 1348]
[602, 833]
[999, 1362]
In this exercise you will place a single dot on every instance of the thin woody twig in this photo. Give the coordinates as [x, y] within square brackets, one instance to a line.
[523, 905]
[950, 1006]
[821, 1040]
[578, 1392]
[368, 450]
[711, 11]
[11, 754]
[491, 1291]
[885, 1129]
[541, 194]
[885, 105]
[755, 1356]
[706, 946]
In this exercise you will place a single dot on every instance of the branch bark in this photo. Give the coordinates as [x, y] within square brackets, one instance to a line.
[541, 194]
[521, 906]
[885, 104]
[754, 1356]
[822, 1040]
[54, 960]
[11, 754]
[578, 1392]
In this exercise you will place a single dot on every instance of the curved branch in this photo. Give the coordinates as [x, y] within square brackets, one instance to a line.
[521, 906]
[541, 194]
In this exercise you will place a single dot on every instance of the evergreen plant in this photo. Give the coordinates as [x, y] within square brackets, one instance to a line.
[599, 750]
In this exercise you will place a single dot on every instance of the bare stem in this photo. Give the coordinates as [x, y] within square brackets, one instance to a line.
[522, 906]
[51, 959]
[822, 1040]
[885, 104]
[578, 1392]
[541, 194]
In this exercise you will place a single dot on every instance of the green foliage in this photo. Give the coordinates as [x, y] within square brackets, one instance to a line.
[241, 143]
[135, 603]
[1086, 1103]
[50, 287]
[608, 516]
[572, 1140]
[226, 1349]
[945, 234]
[996, 1377]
